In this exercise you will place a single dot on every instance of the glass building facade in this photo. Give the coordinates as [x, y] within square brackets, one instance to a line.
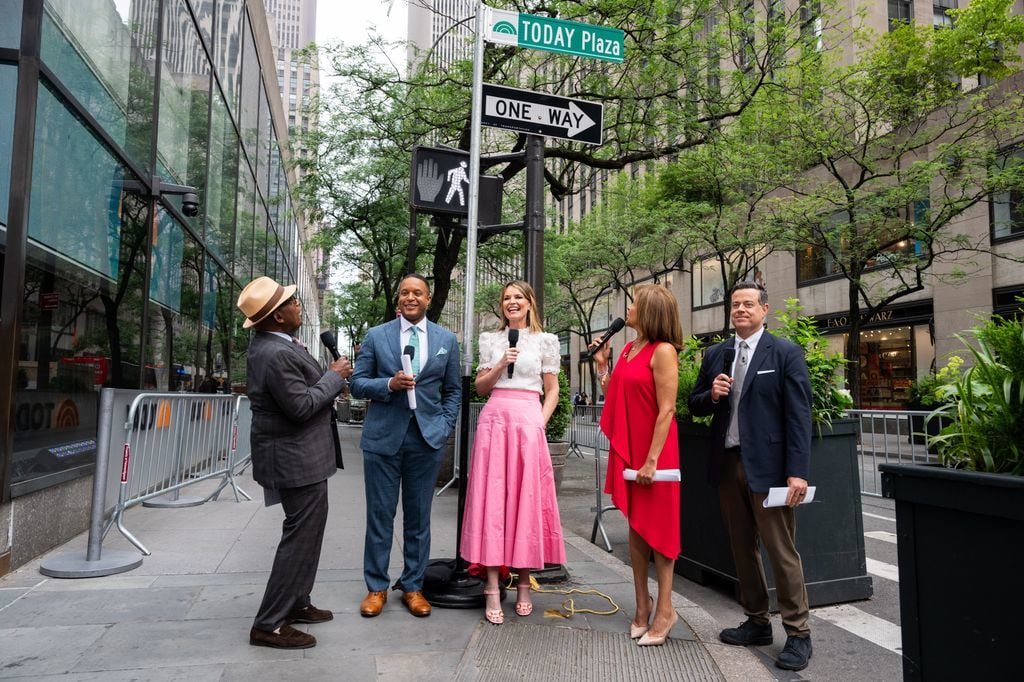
[111, 113]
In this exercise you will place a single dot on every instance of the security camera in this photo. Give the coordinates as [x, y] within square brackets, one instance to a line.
[190, 204]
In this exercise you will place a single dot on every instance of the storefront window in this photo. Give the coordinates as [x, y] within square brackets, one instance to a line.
[886, 366]
[223, 182]
[79, 327]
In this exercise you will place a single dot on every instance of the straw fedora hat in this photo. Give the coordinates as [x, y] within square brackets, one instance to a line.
[261, 297]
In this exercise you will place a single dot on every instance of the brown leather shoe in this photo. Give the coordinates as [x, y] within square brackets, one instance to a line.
[416, 603]
[287, 638]
[373, 604]
[310, 614]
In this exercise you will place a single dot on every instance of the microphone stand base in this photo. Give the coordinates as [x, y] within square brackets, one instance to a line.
[448, 588]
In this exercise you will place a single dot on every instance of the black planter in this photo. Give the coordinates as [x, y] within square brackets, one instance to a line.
[961, 558]
[830, 531]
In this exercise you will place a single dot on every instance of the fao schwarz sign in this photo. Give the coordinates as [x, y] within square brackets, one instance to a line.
[554, 35]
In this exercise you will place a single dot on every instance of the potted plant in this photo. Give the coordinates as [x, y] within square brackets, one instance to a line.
[927, 393]
[558, 425]
[830, 531]
[959, 523]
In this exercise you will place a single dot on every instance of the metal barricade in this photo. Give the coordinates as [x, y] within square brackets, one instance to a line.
[891, 437]
[474, 418]
[585, 428]
[167, 442]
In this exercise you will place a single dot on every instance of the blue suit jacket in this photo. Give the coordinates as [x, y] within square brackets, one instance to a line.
[775, 412]
[438, 388]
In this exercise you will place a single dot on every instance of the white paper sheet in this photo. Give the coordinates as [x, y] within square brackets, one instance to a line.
[777, 496]
[659, 475]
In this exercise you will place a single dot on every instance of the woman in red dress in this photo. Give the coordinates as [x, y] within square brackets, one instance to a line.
[639, 421]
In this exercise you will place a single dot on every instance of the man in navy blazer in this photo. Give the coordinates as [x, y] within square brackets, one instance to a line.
[761, 438]
[403, 447]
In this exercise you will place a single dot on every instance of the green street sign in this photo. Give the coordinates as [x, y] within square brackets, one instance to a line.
[554, 35]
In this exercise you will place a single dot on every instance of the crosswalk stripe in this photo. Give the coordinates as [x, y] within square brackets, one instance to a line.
[878, 516]
[866, 626]
[884, 536]
[883, 570]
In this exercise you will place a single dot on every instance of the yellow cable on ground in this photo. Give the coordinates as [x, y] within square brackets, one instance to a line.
[568, 605]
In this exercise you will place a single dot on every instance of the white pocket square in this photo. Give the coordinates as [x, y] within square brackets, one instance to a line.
[443, 351]
[766, 371]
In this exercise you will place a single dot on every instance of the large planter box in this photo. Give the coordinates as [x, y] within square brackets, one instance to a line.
[961, 559]
[829, 531]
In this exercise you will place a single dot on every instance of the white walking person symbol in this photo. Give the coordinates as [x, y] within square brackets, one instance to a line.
[457, 176]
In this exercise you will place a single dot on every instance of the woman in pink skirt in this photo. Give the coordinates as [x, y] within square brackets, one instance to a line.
[511, 514]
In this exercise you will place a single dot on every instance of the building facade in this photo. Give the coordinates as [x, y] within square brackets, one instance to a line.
[143, 182]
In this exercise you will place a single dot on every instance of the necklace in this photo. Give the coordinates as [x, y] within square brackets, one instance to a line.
[635, 349]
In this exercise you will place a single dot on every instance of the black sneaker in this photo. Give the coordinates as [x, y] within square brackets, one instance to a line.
[750, 633]
[795, 654]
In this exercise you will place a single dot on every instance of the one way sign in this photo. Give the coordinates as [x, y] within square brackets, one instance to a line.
[526, 111]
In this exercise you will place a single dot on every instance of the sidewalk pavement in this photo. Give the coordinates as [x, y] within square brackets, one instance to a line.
[185, 613]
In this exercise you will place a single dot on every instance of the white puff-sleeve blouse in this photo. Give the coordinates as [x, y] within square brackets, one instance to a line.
[538, 354]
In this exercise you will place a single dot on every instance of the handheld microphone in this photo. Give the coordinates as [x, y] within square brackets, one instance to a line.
[617, 324]
[727, 360]
[407, 355]
[327, 338]
[513, 339]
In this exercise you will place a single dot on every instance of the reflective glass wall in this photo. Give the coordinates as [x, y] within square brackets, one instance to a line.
[138, 100]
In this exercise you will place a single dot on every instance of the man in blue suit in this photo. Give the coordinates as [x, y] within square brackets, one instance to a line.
[403, 447]
[760, 402]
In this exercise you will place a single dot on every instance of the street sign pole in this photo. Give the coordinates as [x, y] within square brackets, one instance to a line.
[535, 218]
[458, 589]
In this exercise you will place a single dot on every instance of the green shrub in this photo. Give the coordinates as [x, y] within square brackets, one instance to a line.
[560, 418]
[930, 390]
[985, 408]
[689, 368]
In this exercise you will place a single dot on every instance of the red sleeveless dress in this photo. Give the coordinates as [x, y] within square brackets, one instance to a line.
[630, 410]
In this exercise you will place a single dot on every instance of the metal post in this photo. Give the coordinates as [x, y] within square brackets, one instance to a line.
[535, 218]
[461, 590]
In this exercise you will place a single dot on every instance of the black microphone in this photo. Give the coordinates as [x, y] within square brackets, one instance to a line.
[513, 339]
[727, 360]
[327, 338]
[617, 324]
[410, 351]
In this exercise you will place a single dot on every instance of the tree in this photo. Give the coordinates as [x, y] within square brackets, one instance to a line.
[900, 153]
[671, 93]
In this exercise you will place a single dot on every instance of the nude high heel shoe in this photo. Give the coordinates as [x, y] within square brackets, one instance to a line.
[648, 640]
[638, 631]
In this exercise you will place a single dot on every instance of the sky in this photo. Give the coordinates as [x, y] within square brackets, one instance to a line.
[349, 21]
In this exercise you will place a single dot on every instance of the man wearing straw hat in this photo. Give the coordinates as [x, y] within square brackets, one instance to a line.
[294, 450]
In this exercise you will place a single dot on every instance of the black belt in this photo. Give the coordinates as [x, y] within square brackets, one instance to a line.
[733, 451]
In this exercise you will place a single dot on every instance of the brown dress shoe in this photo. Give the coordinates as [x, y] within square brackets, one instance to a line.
[373, 604]
[286, 638]
[416, 603]
[309, 614]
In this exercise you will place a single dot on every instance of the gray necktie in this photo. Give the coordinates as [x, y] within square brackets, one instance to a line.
[732, 436]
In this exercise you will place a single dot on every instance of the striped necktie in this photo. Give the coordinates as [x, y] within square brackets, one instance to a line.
[414, 341]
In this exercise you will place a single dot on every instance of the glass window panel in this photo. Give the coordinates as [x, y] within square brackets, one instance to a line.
[78, 190]
[1008, 207]
[165, 281]
[174, 323]
[184, 101]
[8, 86]
[104, 53]
[223, 182]
[262, 245]
[228, 48]
[242, 257]
[708, 287]
[204, 17]
[10, 27]
[263, 162]
[250, 93]
[79, 326]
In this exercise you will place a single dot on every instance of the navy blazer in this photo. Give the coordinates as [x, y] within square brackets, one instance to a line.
[438, 388]
[775, 413]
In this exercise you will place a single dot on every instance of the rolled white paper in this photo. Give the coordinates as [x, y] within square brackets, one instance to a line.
[659, 475]
[411, 392]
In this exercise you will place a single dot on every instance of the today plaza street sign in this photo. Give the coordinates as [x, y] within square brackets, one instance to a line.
[520, 29]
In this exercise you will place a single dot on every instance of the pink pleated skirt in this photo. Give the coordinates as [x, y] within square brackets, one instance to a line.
[511, 514]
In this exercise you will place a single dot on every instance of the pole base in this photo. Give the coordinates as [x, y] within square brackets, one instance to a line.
[168, 503]
[446, 588]
[78, 566]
